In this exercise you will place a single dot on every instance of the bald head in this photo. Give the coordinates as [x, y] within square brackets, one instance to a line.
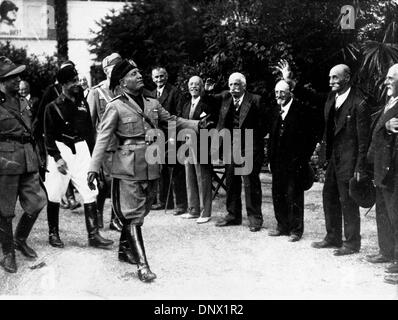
[391, 81]
[339, 78]
[195, 86]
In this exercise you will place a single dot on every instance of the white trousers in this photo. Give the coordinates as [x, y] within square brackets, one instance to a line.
[78, 164]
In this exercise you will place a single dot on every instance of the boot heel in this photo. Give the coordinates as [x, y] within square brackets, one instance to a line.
[145, 274]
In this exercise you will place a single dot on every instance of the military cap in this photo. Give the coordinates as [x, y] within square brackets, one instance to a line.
[8, 68]
[66, 74]
[120, 69]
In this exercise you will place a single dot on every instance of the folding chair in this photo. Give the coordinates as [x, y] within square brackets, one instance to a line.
[218, 175]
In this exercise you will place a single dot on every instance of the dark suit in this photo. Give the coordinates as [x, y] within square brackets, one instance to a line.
[292, 142]
[170, 100]
[347, 136]
[383, 156]
[250, 115]
[198, 176]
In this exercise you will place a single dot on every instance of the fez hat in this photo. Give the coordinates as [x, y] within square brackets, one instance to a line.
[66, 74]
[363, 192]
[120, 69]
[111, 60]
[8, 68]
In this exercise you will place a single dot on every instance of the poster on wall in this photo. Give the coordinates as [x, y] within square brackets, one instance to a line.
[24, 19]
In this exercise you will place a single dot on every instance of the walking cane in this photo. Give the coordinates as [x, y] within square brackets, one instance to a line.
[369, 210]
[168, 190]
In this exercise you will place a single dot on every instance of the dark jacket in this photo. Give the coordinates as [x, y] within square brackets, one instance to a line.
[347, 145]
[170, 99]
[383, 149]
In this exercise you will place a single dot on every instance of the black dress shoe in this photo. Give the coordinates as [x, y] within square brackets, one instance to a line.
[179, 211]
[378, 258]
[324, 244]
[294, 238]
[27, 251]
[226, 223]
[392, 268]
[277, 233]
[344, 251]
[254, 229]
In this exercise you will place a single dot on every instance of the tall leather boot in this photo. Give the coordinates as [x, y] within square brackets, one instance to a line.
[53, 224]
[100, 207]
[115, 223]
[136, 243]
[22, 232]
[8, 263]
[94, 237]
[125, 253]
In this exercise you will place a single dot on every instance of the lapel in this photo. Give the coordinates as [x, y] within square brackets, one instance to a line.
[328, 105]
[291, 115]
[244, 109]
[384, 117]
[275, 119]
[345, 109]
[226, 104]
[164, 95]
[198, 110]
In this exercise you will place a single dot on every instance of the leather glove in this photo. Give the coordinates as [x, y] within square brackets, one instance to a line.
[204, 124]
[62, 166]
[91, 176]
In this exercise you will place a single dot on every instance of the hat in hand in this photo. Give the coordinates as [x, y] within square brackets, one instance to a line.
[363, 192]
[8, 68]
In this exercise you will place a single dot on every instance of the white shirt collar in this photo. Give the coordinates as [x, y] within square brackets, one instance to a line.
[28, 97]
[341, 98]
[239, 100]
[160, 90]
[391, 103]
[285, 109]
[194, 101]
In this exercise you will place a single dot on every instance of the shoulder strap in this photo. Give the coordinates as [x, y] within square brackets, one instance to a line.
[103, 95]
[142, 113]
[58, 111]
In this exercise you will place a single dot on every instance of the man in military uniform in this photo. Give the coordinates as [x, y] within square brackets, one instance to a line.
[19, 167]
[130, 116]
[98, 98]
[69, 138]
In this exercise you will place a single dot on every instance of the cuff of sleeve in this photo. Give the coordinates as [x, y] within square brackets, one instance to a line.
[57, 157]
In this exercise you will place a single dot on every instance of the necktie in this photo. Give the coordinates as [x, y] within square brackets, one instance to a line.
[389, 105]
[236, 105]
[158, 94]
[192, 110]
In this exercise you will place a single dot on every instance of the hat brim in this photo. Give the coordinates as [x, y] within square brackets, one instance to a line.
[13, 72]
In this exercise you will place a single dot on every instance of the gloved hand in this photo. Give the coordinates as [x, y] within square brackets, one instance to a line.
[62, 166]
[204, 124]
[91, 176]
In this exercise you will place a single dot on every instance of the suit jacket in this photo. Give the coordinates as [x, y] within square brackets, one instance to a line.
[383, 149]
[290, 149]
[348, 144]
[123, 117]
[252, 115]
[15, 157]
[169, 99]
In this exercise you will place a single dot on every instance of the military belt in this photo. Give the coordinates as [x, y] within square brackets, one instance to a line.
[133, 141]
[21, 139]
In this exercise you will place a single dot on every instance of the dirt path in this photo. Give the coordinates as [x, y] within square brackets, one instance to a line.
[201, 261]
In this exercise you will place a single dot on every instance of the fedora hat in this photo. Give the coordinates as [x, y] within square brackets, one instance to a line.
[363, 192]
[8, 68]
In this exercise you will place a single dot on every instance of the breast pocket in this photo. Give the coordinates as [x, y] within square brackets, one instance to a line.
[131, 125]
[7, 122]
[154, 116]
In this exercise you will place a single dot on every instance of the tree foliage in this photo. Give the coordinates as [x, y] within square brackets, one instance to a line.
[215, 38]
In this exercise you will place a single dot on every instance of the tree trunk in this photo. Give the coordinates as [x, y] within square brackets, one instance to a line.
[61, 20]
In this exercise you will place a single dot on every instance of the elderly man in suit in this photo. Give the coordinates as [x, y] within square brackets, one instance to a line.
[198, 175]
[241, 110]
[168, 97]
[347, 128]
[292, 142]
[383, 155]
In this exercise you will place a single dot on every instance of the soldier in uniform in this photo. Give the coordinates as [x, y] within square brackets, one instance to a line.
[69, 138]
[98, 98]
[130, 116]
[19, 167]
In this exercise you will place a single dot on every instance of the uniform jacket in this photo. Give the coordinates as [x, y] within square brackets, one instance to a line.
[383, 149]
[75, 122]
[15, 157]
[98, 97]
[348, 144]
[291, 148]
[169, 99]
[122, 117]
